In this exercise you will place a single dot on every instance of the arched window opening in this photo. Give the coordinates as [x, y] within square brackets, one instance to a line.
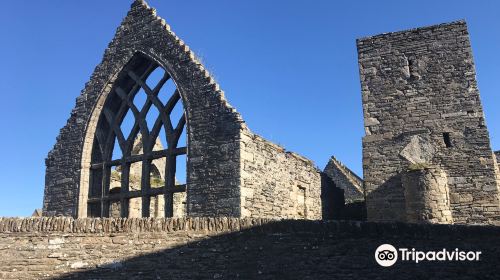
[139, 149]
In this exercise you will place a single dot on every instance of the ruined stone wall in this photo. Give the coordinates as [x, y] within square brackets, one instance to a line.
[345, 179]
[276, 183]
[223, 156]
[496, 159]
[421, 105]
[222, 248]
[212, 124]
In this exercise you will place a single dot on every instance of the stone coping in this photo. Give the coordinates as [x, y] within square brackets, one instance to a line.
[225, 224]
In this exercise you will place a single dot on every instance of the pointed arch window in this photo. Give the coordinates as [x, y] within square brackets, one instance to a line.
[137, 143]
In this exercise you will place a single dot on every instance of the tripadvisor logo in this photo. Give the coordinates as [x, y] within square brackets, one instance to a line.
[387, 255]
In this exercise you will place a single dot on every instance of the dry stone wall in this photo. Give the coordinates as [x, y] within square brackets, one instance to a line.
[276, 183]
[230, 248]
[421, 105]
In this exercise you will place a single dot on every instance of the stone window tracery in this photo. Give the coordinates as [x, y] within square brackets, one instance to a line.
[136, 144]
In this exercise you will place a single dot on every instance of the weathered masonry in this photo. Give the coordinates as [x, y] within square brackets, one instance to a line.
[346, 180]
[422, 112]
[152, 135]
[353, 206]
[232, 248]
[104, 166]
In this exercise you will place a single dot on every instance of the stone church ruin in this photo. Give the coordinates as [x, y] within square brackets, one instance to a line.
[156, 176]
[152, 135]
[95, 169]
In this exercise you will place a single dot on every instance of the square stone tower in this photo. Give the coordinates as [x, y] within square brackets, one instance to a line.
[421, 108]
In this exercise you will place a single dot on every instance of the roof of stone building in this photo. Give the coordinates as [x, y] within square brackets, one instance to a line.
[37, 213]
[356, 180]
[335, 169]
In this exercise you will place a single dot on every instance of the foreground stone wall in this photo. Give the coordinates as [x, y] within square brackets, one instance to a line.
[229, 248]
[421, 105]
[276, 183]
[345, 179]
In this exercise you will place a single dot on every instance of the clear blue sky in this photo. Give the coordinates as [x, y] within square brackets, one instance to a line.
[289, 67]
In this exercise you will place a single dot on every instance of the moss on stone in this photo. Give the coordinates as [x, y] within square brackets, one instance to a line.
[418, 166]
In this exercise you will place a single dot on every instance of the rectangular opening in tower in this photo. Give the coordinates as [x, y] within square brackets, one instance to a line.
[447, 139]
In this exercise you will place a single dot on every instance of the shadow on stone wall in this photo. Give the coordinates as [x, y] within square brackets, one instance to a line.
[313, 250]
[332, 199]
[333, 203]
[355, 211]
[387, 202]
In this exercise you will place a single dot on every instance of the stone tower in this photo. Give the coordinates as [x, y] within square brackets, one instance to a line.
[422, 110]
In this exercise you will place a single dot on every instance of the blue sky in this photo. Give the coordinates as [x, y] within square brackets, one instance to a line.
[289, 67]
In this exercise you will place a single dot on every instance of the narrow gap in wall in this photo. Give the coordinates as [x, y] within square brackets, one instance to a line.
[447, 139]
[413, 67]
[411, 62]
